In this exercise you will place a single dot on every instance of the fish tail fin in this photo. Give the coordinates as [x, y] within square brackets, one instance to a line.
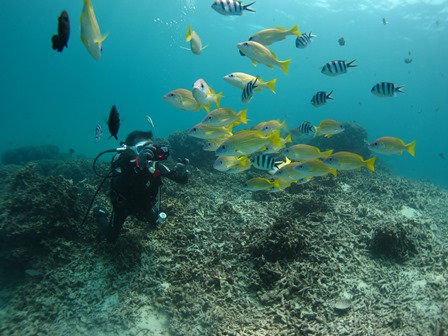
[242, 115]
[311, 35]
[334, 172]
[327, 153]
[399, 89]
[188, 34]
[275, 139]
[288, 138]
[295, 31]
[329, 95]
[207, 108]
[271, 85]
[316, 128]
[351, 65]
[284, 65]
[370, 163]
[218, 98]
[245, 161]
[410, 147]
[246, 7]
[276, 184]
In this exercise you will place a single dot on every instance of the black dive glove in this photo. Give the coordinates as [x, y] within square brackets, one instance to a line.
[181, 167]
[146, 154]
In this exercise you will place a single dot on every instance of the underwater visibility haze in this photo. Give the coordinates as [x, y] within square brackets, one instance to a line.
[342, 244]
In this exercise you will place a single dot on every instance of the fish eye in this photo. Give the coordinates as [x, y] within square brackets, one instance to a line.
[194, 129]
[330, 159]
[223, 147]
[231, 75]
[209, 117]
[245, 44]
[171, 95]
[202, 85]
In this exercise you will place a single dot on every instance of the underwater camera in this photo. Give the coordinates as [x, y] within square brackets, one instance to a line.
[161, 153]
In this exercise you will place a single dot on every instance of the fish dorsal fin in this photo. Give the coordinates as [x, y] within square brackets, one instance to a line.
[101, 39]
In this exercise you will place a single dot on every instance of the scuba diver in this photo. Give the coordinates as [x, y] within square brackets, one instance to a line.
[136, 181]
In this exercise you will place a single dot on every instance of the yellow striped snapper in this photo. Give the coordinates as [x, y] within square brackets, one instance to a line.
[271, 35]
[270, 126]
[231, 7]
[349, 161]
[273, 149]
[205, 95]
[241, 79]
[306, 152]
[182, 99]
[212, 145]
[260, 183]
[258, 53]
[280, 185]
[328, 128]
[201, 131]
[391, 145]
[90, 31]
[224, 117]
[248, 91]
[386, 89]
[235, 163]
[195, 42]
[314, 167]
[247, 142]
[288, 172]
[335, 68]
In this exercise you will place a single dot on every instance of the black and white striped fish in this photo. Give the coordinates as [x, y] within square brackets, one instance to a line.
[320, 98]
[335, 68]
[306, 128]
[98, 132]
[303, 41]
[267, 162]
[386, 89]
[231, 7]
[248, 91]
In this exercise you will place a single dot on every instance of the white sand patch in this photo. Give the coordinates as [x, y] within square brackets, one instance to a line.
[409, 212]
[151, 322]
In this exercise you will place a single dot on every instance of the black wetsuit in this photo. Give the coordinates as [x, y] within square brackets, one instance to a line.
[136, 192]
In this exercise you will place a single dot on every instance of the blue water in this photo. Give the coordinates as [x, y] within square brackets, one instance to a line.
[58, 98]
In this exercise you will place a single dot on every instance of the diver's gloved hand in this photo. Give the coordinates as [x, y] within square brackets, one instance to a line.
[181, 166]
[146, 154]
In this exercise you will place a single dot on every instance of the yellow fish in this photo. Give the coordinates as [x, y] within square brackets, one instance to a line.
[205, 95]
[224, 117]
[271, 35]
[305, 152]
[90, 31]
[315, 167]
[247, 142]
[271, 148]
[258, 53]
[233, 163]
[209, 132]
[328, 128]
[260, 183]
[213, 144]
[270, 126]
[182, 99]
[195, 42]
[288, 172]
[349, 161]
[391, 145]
[241, 79]
[280, 185]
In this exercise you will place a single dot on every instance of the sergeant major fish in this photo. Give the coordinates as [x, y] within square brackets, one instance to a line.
[231, 7]
[271, 35]
[304, 41]
[335, 68]
[258, 53]
[386, 89]
[267, 162]
[320, 98]
[248, 91]
[90, 31]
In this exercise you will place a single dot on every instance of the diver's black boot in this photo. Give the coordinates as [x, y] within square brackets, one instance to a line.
[102, 219]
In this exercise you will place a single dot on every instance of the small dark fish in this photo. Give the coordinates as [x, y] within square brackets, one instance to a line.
[442, 156]
[341, 41]
[385, 21]
[408, 60]
[71, 151]
[304, 41]
[306, 128]
[248, 91]
[114, 122]
[60, 40]
[320, 98]
[98, 132]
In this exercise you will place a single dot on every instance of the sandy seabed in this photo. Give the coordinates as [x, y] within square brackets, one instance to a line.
[358, 254]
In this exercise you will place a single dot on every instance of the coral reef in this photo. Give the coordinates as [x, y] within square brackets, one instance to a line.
[226, 262]
[184, 146]
[23, 155]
